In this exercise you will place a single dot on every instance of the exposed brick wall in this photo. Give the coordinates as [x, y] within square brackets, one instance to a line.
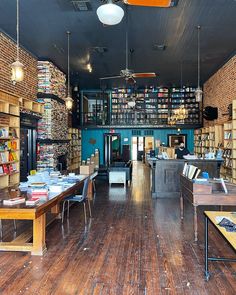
[220, 90]
[28, 87]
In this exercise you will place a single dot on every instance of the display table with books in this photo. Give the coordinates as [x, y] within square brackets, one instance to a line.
[33, 205]
[205, 193]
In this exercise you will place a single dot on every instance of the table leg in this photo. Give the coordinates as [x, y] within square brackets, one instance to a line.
[207, 274]
[39, 229]
[195, 223]
[181, 206]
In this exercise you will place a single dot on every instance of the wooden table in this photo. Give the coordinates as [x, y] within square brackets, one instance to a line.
[38, 215]
[198, 196]
[230, 237]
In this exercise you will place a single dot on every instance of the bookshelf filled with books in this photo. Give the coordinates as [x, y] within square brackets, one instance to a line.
[208, 139]
[9, 139]
[153, 106]
[74, 156]
[226, 167]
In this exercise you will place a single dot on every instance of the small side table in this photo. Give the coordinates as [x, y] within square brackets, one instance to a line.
[117, 177]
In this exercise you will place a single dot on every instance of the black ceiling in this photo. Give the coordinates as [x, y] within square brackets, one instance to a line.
[43, 26]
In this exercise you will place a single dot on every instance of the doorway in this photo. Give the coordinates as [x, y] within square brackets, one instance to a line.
[27, 152]
[140, 146]
[112, 148]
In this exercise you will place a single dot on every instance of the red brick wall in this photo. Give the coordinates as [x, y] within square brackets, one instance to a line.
[220, 90]
[28, 87]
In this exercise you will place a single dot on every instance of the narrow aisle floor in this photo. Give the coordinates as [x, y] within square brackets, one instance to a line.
[133, 245]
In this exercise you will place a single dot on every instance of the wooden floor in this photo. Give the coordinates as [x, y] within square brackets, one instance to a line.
[133, 245]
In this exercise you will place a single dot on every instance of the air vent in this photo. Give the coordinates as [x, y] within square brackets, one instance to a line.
[136, 132]
[99, 49]
[81, 5]
[159, 47]
[148, 132]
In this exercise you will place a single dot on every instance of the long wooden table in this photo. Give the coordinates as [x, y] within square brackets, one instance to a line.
[197, 197]
[230, 237]
[38, 215]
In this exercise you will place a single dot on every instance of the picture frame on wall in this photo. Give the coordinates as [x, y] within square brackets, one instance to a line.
[173, 140]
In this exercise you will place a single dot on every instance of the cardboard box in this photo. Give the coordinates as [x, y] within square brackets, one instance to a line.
[86, 169]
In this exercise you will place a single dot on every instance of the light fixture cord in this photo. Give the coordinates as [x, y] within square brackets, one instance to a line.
[126, 40]
[68, 63]
[17, 30]
[198, 54]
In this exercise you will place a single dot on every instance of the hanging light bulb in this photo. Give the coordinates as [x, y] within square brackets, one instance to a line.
[17, 67]
[68, 99]
[110, 14]
[198, 92]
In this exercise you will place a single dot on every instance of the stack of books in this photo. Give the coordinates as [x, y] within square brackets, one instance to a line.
[14, 201]
[33, 201]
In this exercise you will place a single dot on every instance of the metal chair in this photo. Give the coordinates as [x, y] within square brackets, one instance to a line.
[78, 198]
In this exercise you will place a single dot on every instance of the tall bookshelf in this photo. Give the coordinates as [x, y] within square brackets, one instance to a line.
[9, 140]
[227, 167]
[153, 106]
[234, 141]
[74, 157]
[185, 96]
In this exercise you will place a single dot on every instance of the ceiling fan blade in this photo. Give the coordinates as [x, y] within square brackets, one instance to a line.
[154, 3]
[144, 75]
[112, 77]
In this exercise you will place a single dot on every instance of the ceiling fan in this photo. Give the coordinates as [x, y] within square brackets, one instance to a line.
[127, 73]
[152, 3]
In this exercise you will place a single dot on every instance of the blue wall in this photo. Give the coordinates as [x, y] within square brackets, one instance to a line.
[93, 139]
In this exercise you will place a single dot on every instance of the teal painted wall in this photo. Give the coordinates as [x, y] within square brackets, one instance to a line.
[89, 137]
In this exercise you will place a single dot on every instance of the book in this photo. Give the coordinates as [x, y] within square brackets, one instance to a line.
[32, 201]
[14, 201]
[223, 185]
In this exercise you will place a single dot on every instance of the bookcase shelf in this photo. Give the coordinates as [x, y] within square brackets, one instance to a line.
[74, 156]
[9, 139]
[153, 106]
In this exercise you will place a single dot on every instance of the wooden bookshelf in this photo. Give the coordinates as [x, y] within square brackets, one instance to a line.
[9, 139]
[74, 156]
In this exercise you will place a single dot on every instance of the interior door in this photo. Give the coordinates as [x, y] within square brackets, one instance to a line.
[112, 148]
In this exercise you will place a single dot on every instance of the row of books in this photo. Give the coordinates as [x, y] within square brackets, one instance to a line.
[21, 200]
[11, 132]
[8, 145]
[191, 171]
[8, 168]
[12, 156]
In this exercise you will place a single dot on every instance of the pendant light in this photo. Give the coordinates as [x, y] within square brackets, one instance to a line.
[68, 100]
[17, 67]
[198, 92]
[110, 13]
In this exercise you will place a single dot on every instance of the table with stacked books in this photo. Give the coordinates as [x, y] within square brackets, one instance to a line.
[205, 192]
[31, 201]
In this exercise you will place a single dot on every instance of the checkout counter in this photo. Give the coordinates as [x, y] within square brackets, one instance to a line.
[165, 174]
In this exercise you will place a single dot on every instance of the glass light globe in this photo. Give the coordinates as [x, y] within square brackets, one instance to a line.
[17, 69]
[110, 14]
[69, 103]
[198, 94]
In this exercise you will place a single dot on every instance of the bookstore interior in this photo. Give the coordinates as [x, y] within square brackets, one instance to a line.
[117, 147]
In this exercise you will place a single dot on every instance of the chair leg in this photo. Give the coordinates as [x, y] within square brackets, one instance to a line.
[14, 222]
[94, 186]
[68, 210]
[85, 214]
[63, 211]
[90, 213]
[1, 233]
